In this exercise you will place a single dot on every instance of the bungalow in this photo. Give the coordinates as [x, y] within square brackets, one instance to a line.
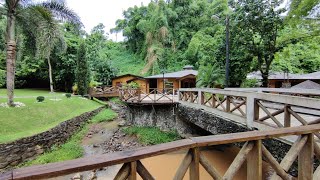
[175, 80]
[278, 79]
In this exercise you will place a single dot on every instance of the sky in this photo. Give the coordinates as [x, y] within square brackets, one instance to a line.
[107, 12]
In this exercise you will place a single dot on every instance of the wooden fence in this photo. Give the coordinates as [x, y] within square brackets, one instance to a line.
[273, 110]
[104, 91]
[136, 95]
[252, 153]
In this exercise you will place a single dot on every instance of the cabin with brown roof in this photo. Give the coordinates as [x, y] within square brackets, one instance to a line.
[119, 81]
[175, 80]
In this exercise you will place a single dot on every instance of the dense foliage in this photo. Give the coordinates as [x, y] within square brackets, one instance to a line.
[165, 36]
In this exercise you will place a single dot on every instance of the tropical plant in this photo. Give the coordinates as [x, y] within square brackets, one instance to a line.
[40, 98]
[82, 74]
[25, 14]
[210, 76]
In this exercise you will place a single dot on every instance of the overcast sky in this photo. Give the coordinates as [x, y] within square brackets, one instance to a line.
[107, 12]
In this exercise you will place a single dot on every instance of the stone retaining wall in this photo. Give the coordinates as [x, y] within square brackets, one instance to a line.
[13, 153]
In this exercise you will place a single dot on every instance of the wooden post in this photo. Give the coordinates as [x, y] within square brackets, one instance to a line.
[213, 100]
[191, 97]
[305, 160]
[254, 162]
[201, 97]
[133, 171]
[252, 110]
[227, 104]
[194, 166]
[139, 95]
[287, 116]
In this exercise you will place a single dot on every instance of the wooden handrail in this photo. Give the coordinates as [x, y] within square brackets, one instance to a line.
[99, 161]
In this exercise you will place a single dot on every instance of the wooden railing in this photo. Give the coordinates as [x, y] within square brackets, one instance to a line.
[137, 95]
[250, 108]
[252, 153]
[104, 91]
[313, 93]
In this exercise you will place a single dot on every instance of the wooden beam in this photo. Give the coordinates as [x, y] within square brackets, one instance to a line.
[292, 155]
[287, 116]
[270, 115]
[124, 172]
[194, 166]
[228, 103]
[306, 159]
[273, 114]
[210, 169]
[316, 149]
[238, 107]
[238, 161]
[274, 164]
[254, 162]
[143, 172]
[317, 121]
[133, 170]
[183, 167]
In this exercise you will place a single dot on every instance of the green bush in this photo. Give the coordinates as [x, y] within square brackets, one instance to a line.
[105, 115]
[40, 98]
[75, 89]
[68, 95]
[250, 83]
[152, 135]
[2, 78]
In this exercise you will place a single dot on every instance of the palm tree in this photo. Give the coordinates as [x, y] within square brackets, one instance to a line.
[210, 76]
[16, 12]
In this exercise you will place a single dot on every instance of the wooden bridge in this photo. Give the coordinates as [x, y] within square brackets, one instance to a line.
[277, 115]
[252, 154]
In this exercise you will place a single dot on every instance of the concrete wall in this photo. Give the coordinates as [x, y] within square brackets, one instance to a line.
[13, 153]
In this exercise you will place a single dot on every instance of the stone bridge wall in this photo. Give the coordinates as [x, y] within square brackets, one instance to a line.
[189, 120]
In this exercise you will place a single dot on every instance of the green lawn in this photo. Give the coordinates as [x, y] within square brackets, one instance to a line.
[38, 117]
[30, 92]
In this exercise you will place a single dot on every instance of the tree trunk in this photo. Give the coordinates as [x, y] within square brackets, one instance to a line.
[265, 78]
[11, 57]
[50, 75]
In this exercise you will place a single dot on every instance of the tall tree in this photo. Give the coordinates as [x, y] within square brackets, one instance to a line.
[16, 10]
[258, 23]
[82, 74]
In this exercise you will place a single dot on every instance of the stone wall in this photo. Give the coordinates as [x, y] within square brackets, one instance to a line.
[13, 153]
[188, 120]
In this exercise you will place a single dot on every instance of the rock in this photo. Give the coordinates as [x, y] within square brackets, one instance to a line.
[78, 176]
[122, 123]
[3, 165]
[95, 145]
[92, 175]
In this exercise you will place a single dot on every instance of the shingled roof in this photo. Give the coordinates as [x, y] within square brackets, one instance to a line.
[307, 85]
[188, 70]
[282, 75]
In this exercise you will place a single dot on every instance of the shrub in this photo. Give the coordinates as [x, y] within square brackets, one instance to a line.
[2, 78]
[68, 95]
[250, 83]
[40, 98]
[75, 89]
[94, 84]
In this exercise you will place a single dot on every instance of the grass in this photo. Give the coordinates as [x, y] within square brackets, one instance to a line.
[116, 100]
[152, 135]
[105, 115]
[38, 117]
[71, 149]
[30, 92]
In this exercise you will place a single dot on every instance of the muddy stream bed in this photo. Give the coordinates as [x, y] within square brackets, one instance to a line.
[107, 137]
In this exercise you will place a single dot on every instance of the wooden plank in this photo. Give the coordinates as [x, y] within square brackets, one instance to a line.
[291, 156]
[238, 107]
[273, 114]
[287, 116]
[254, 162]
[238, 161]
[253, 135]
[194, 166]
[183, 167]
[228, 103]
[270, 115]
[316, 149]
[317, 121]
[210, 169]
[306, 159]
[123, 173]
[143, 172]
[133, 170]
[274, 164]
[98, 161]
